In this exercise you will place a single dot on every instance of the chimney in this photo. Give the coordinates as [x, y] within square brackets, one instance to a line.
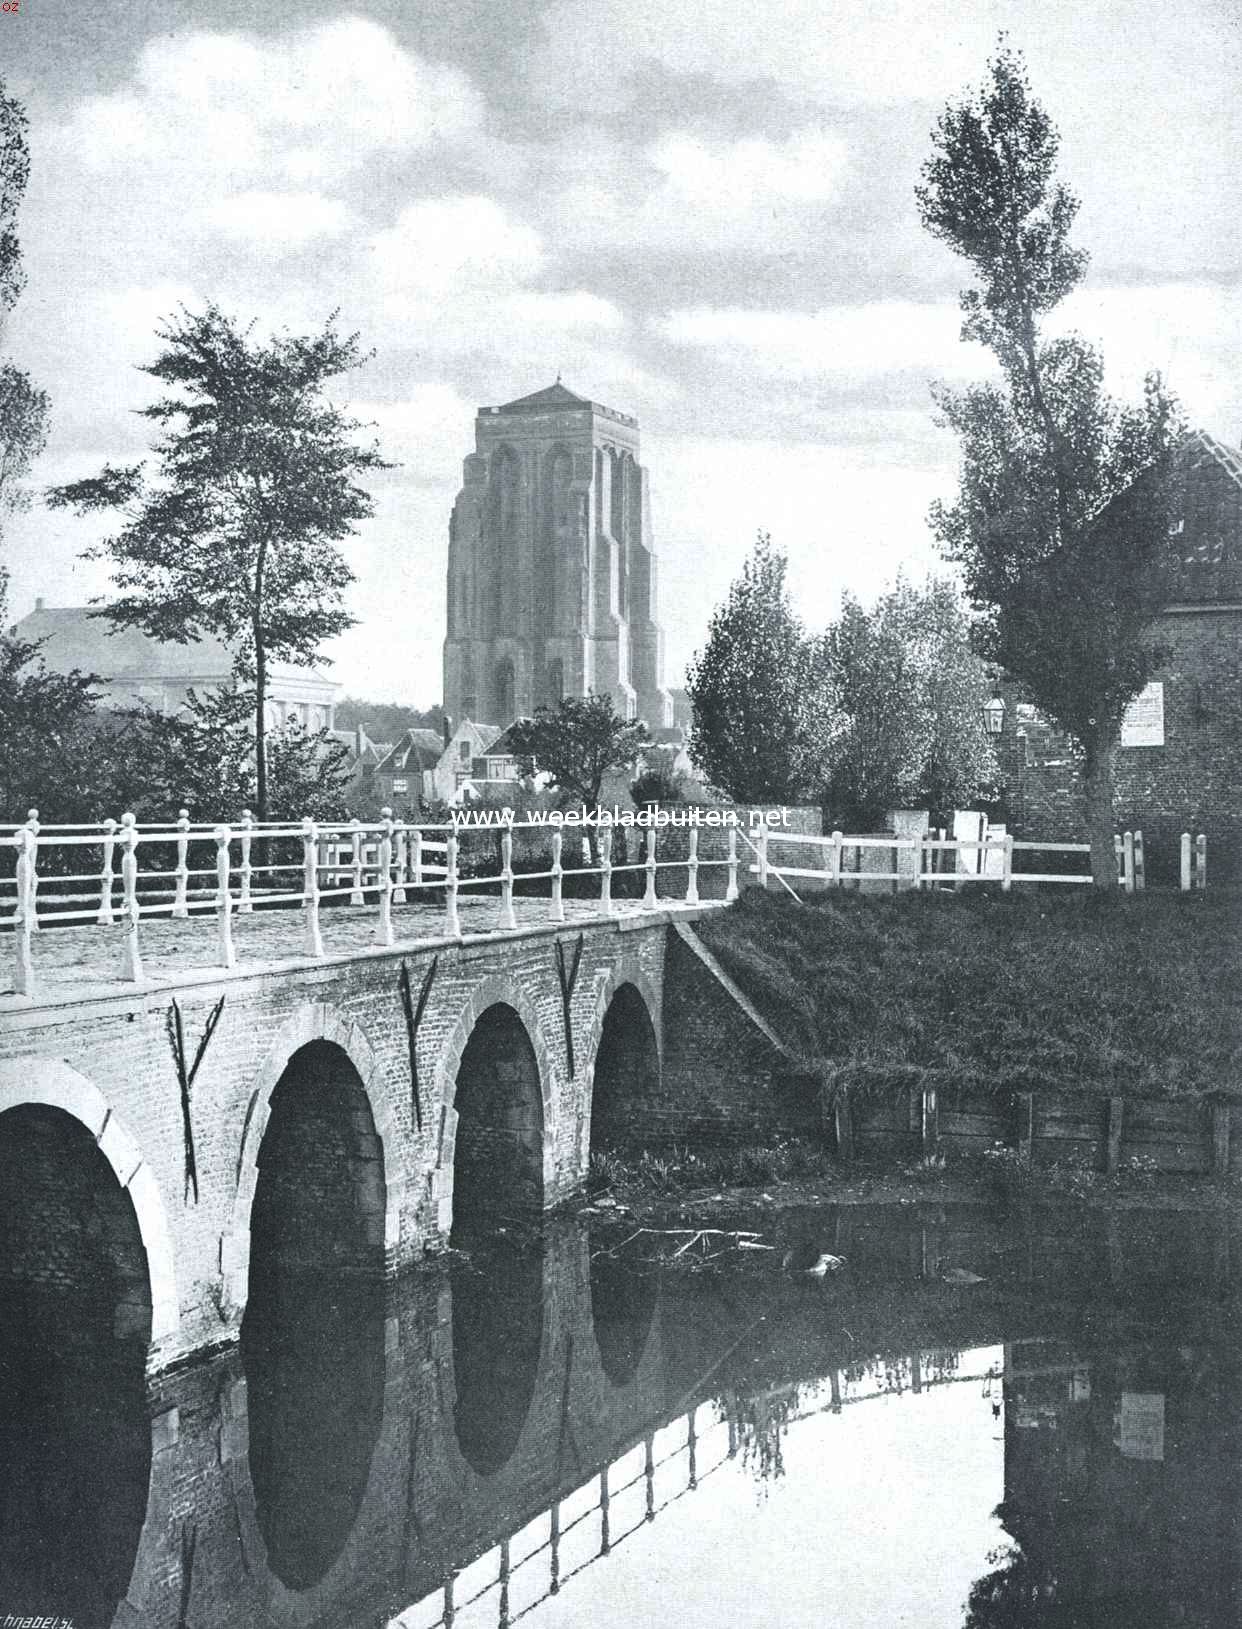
[446, 729]
[39, 603]
[358, 740]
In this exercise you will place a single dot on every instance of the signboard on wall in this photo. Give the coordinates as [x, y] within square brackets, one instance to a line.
[1143, 723]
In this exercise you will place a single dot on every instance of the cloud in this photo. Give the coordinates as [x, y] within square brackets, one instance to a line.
[277, 220]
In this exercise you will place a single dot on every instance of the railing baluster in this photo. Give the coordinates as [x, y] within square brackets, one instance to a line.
[452, 921]
[508, 919]
[416, 856]
[1201, 860]
[32, 826]
[244, 906]
[398, 893]
[1127, 844]
[131, 955]
[731, 889]
[104, 919]
[837, 842]
[313, 939]
[649, 896]
[384, 932]
[1185, 878]
[557, 911]
[181, 895]
[224, 898]
[761, 844]
[605, 871]
[1007, 863]
[23, 972]
[692, 868]
[355, 895]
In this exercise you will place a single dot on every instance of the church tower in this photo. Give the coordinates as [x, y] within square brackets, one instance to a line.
[552, 573]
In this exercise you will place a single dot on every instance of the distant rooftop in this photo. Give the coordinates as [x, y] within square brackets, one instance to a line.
[558, 396]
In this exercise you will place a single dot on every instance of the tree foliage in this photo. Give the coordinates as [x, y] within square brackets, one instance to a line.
[909, 694]
[23, 407]
[1063, 519]
[752, 689]
[255, 485]
[578, 743]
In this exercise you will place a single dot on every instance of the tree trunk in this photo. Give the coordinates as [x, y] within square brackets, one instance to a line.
[260, 728]
[1098, 781]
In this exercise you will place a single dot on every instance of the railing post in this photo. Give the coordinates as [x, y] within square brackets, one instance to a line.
[1140, 863]
[649, 896]
[312, 942]
[1185, 862]
[247, 826]
[1201, 861]
[1119, 854]
[1007, 863]
[838, 841]
[32, 826]
[508, 920]
[104, 919]
[731, 887]
[761, 845]
[605, 871]
[384, 932]
[182, 891]
[452, 921]
[131, 957]
[416, 856]
[355, 893]
[224, 899]
[398, 893]
[23, 973]
[557, 911]
[1127, 861]
[692, 868]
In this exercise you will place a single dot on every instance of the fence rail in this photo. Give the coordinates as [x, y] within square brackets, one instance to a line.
[118, 875]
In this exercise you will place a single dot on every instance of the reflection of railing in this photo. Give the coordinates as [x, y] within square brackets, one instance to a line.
[498, 1569]
[599, 1498]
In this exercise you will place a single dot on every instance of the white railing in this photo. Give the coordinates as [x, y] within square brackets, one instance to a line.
[936, 860]
[118, 874]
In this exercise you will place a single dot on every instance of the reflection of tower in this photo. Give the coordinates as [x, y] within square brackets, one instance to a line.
[552, 574]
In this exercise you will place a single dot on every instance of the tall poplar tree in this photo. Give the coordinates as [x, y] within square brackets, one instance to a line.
[23, 406]
[1062, 525]
[255, 484]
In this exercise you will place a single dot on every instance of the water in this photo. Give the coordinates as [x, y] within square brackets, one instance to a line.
[557, 1430]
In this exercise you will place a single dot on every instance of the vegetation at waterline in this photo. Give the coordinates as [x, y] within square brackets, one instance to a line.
[1005, 993]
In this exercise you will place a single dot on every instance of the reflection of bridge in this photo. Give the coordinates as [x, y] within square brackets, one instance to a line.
[354, 1080]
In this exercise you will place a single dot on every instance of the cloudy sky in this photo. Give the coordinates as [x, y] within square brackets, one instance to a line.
[698, 211]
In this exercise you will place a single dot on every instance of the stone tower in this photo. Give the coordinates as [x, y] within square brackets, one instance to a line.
[552, 574]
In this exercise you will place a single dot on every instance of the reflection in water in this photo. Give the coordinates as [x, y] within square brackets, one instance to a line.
[623, 1298]
[498, 1307]
[313, 1351]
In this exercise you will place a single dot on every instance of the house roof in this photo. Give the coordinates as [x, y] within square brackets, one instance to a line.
[81, 637]
[480, 736]
[499, 747]
[418, 749]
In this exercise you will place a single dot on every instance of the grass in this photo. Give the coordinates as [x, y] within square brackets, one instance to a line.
[1031, 991]
[673, 1169]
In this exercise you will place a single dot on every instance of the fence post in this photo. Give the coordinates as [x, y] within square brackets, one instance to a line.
[131, 958]
[649, 896]
[1007, 863]
[843, 1124]
[104, 919]
[731, 888]
[1201, 861]
[929, 1120]
[557, 911]
[452, 921]
[1185, 862]
[32, 826]
[837, 842]
[313, 939]
[508, 918]
[398, 893]
[224, 899]
[1140, 863]
[1116, 1119]
[181, 896]
[247, 826]
[23, 973]
[761, 845]
[692, 868]
[1025, 1102]
[416, 856]
[920, 859]
[1127, 861]
[605, 871]
[1119, 855]
[384, 931]
[355, 837]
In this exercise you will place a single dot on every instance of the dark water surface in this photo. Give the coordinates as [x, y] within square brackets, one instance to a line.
[552, 1430]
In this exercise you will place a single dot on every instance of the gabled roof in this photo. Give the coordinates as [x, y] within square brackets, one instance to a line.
[554, 396]
[418, 749]
[1229, 460]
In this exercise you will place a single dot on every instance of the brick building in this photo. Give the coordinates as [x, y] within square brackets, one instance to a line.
[1178, 766]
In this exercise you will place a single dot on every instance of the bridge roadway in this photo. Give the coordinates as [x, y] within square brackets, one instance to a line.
[371, 1098]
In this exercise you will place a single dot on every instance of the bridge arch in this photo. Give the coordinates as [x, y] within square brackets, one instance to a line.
[520, 1036]
[312, 1023]
[626, 1055]
[51, 1083]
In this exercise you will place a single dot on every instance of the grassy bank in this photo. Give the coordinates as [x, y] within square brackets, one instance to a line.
[1064, 991]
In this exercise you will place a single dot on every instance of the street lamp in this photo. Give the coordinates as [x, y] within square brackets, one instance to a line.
[994, 715]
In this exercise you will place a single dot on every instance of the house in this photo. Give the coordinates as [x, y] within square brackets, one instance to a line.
[1178, 765]
[455, 766]
[406, 775]
[133, 669]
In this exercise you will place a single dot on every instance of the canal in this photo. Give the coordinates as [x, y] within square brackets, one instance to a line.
[866, 1416]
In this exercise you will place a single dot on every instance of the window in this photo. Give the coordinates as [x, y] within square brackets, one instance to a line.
[463, 751]
[400, 784]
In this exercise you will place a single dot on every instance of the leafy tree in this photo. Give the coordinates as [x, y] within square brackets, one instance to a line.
[255, 486]
[386, 720]
[758, 726]
[23, 407]
[910, 694]
[45, 733]
[578, 742]
[1062, 522]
